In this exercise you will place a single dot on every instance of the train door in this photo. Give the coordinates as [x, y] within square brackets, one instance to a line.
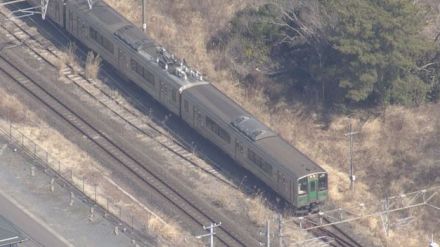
[163, 92]
[122, 60]
[238, 149]
[313, 188]
[70, 22]
[283, 184]
[73, 25]
[57, 8]
[292, 190]
[197, 117]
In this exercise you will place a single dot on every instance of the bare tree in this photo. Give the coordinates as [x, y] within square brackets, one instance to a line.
[303, 21]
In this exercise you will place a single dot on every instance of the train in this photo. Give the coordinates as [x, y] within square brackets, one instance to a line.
[186, 93]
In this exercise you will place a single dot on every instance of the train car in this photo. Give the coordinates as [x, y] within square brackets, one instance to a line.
[183, 91]
[129, 50]
[253, 145]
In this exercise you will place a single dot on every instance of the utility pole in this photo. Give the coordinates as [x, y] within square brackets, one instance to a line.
[268, 234]
[433, 244]
[144, 23]
[211, 232]
[350, 134]
[90, 2]
[280, 231]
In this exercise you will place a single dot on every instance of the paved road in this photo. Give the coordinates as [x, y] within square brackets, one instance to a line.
[32, 226]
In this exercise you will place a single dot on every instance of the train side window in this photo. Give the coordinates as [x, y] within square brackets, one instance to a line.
[281, 178]
[108, 45]
[214, 127]
[259, 162]
[148, 76]
[164, 90]
[174, 94]
[199, 118]
[71, 20]
[144, 73]
[101, 40]
[322, 181]
[239, 146]
[185, 105]
[302, 186]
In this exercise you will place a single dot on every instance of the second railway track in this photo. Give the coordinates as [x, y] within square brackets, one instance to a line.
[229, 234]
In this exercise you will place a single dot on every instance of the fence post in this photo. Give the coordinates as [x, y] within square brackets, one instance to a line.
[32, 171]
[132, 223]
[95, 193]
[71, 198]
[92, 213]
[52, 187]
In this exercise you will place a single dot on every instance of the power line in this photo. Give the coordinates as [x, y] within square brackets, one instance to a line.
[383, 209]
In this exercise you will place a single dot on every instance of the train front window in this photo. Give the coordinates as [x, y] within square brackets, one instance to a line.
[302, 186]
[323, 181]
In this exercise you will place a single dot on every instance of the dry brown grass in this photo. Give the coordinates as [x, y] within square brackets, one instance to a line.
[169, 230]
[68, 59]
[432, 29]
[71, 58]
[257, 210]
[11, 109]
[93, 63]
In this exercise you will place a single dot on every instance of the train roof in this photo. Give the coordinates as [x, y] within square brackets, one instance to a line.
[112, 22]
[262, 136]
[216, 102]
[292, 159]
[101, 14]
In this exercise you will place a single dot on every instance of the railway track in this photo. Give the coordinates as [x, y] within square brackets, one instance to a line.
[134, 161]
[185, 203]
[149, 130]
[337, 237]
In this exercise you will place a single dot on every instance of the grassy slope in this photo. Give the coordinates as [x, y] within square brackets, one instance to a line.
[395, 152]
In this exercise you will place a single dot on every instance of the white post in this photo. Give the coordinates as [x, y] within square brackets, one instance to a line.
[211, 232]
[90, 2]
[280, 230]
[433, 244]
[268, 234]
[352, 176]
[144, 23]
